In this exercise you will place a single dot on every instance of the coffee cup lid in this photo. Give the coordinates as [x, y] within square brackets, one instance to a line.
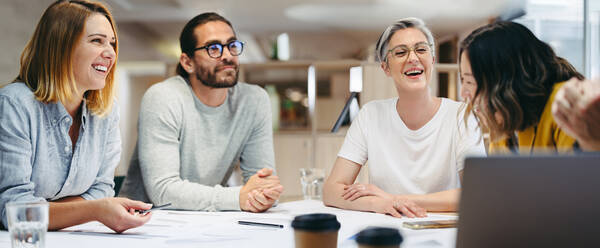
[316, 222]
[379, 236]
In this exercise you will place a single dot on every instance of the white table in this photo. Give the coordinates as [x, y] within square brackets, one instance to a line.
[220, 229]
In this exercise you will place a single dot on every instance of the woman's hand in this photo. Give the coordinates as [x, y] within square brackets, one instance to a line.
[357, 190]
[398, 206]
[119, 214]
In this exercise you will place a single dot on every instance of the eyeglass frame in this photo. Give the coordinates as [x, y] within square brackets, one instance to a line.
[222, 48]
[410, 49]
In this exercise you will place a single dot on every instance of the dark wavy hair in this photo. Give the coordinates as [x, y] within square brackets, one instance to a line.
[515, 73]
[187, 39]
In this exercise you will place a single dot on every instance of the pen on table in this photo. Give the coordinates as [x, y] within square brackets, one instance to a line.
[154, 208]
[250, 223]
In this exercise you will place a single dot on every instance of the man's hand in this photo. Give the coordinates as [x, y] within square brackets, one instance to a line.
[119, 214]
[576, 109]
[261, 191]
[260, 201]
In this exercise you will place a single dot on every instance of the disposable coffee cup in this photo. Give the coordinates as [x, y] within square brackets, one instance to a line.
[316, 230]
[379, 237]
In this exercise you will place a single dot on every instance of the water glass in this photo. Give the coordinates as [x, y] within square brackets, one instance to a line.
[312, 183]
[27, 223]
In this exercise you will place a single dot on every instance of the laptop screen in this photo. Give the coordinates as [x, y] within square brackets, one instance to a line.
[550, 201]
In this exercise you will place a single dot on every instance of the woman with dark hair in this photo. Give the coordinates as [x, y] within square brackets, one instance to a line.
[59, 131]
[517, 78]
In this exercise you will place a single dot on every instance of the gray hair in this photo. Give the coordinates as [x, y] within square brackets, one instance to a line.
[381, 48]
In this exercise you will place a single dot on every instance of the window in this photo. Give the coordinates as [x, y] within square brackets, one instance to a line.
[593, 39]
[560, 24]
[563, 25]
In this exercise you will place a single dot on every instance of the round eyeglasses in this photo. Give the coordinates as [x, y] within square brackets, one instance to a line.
[403, 51]
[215, 50]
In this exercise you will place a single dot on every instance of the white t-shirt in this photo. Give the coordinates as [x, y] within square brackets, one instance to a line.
[404, 161]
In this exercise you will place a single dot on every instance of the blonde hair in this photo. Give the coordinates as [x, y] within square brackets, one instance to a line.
[46, 66]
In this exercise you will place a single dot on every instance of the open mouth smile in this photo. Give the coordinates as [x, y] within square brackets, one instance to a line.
[413, 72]
[100, 68]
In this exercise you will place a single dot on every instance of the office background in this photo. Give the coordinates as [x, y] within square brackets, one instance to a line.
[328, 36]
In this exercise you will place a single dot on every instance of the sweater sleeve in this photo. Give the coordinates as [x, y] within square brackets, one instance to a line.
[159, 128]
[257, 152]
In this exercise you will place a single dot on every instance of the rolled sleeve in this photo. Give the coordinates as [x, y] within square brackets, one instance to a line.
[15, 157]
[103, 185]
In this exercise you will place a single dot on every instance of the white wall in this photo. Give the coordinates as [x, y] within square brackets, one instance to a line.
[18, 21]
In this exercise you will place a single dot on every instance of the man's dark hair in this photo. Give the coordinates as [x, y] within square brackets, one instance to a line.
[187, 39]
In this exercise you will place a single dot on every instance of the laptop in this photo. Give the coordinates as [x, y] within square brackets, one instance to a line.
[549, 201]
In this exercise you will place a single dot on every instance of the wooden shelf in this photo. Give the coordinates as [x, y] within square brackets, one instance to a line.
[445, 67]
[299, 64]
[322, 133]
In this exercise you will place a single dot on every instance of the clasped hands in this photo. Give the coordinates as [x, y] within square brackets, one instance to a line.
[394, 205]
[261, 191]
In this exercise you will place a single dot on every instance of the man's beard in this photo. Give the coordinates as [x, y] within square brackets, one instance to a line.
[210, 79]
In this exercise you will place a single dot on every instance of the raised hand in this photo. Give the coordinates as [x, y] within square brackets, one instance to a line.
[576, 109]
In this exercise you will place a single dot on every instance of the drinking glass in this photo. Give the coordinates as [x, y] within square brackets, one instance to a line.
[27, 223]
[312, 183]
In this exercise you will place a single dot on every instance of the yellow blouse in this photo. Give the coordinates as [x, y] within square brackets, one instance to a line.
[545, 137]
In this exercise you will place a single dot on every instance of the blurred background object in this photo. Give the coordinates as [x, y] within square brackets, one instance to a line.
[304, 49]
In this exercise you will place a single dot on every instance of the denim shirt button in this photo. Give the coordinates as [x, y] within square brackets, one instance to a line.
[67, 149]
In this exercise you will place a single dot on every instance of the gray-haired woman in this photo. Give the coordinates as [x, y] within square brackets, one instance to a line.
[415, 143]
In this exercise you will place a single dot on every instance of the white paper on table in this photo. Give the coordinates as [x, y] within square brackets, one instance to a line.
[220, 229]
[353, 222]
[230, 233]
[4, 239]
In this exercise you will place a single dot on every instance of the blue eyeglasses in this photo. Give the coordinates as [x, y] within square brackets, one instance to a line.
[215, 50]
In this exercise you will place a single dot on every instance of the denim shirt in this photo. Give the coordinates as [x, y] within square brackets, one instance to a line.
[37, 162]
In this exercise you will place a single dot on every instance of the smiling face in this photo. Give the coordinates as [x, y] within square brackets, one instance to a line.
[468, 90]
[412, 70]
[219, 72]
[94, 54]
[468, 85]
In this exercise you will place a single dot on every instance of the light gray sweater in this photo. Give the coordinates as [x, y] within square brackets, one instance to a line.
[186, 150]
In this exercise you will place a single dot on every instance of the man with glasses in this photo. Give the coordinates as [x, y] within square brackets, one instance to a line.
[195, 127]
